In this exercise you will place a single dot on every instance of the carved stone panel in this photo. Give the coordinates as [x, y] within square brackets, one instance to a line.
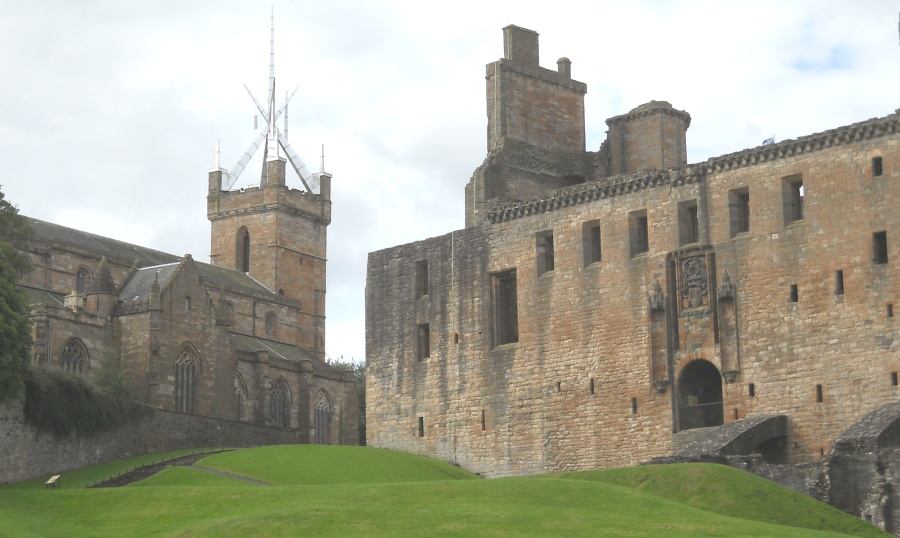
[693, 283]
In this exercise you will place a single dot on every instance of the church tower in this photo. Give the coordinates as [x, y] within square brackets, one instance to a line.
[275, 234]
[278, 236]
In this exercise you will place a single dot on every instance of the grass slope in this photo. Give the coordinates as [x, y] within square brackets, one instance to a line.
[729, 491]
[341, 491]
[88, 475]
[320, 464]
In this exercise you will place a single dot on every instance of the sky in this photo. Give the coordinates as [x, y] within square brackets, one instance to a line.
[110, 111]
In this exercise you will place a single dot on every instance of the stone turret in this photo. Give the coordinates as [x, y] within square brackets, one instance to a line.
[102, 297]
[652, 135]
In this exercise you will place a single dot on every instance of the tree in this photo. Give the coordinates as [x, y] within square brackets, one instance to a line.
[359, 380]
[15, 327]
[109, 377]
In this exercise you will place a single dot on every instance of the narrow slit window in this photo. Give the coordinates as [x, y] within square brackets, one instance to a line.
[688, 223]
[634, 406]
[638, 233]
[421, 278]
[505, 308]
[751, 390]
[879, 248]
[544, 248]
[423, 342]
[421, 426]
[735, 413]
[592, 386]
[590, 232]
[819, 395]
[739, 211]
[795, 294]
[894, 380]
[877, 167]
[793, 199]
[890, 310]
[839, 282]
[483, 421]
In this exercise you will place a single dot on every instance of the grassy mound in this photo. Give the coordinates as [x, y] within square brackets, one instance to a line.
[319, 464]
[729, 491]
[341, 491]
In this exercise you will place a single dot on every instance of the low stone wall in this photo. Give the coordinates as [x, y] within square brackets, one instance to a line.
[26, 453]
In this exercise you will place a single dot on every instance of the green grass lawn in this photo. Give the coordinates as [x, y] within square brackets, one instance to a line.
[353, 491]
[88, 475]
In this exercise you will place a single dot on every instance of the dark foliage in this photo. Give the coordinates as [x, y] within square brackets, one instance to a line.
[63, 403]
[359, 379]
[15, 327]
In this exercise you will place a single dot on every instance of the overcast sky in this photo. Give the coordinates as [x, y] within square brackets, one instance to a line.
[110, 111]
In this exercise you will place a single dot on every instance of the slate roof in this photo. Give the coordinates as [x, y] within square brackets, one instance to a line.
[36, 296]
[138, 286]
[102, 246]
[251, 344]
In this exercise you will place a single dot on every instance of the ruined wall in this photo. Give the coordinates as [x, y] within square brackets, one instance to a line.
[586, 384]
[26, 453]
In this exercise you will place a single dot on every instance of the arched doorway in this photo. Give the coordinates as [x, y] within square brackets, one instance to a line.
[700, 396]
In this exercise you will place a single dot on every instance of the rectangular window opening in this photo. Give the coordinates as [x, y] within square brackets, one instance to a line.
[839, 282]
[688, 223]
[890, 310]
[421, 426]
[456, 338]
[506, 311]
[751, 390]
[894, 380]
[558, 386]
[634, 406]
[544, 248]
[819, 395]
[638, 233]
[592, 386]
[590, 232]
[795, 294]
[735, 413]
[879, 248]
[423, 343]
[877, 168]
[792, 198]
[483, 421]
[421, 278]
[739, 211]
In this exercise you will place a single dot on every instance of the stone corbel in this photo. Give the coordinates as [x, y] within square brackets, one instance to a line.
[730, 376]
[657, 298]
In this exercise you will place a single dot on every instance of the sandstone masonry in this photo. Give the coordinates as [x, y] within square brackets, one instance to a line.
[598, 302]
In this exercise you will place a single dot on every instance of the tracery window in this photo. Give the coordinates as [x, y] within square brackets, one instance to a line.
[323, 417]
[74, 357]
[186, 366]
[279, 405]
[82, 280]
[270, 324]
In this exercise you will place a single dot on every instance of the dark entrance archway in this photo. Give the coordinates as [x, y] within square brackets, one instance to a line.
[700, 396]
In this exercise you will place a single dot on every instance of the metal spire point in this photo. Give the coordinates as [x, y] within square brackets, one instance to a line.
[276, 141]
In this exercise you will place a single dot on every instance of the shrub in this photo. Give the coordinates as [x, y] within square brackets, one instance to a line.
[63, 403]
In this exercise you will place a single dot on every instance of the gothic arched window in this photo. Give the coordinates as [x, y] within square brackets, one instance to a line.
[242, 251]
[186, 366]
[323, 417]
[280, 404]
[270, 324]
[82, 280]
[74, 357]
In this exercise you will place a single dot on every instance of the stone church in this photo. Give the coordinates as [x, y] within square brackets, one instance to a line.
[608, 306]
[242, 338]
